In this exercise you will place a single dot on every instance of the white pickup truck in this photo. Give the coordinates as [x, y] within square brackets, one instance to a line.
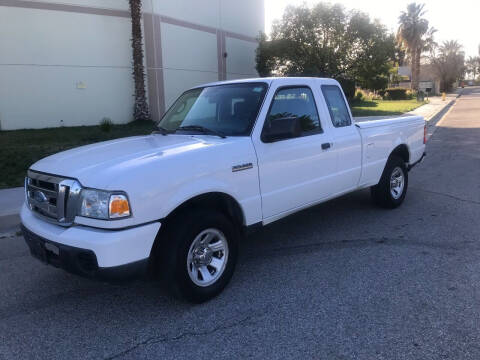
[227, 157]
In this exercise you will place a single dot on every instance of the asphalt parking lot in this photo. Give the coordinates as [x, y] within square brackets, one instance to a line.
[343, 280]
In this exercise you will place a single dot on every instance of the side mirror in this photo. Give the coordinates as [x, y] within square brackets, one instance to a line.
[281, 129]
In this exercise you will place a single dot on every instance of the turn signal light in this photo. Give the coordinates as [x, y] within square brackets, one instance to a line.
[119, 206]
[425, 134]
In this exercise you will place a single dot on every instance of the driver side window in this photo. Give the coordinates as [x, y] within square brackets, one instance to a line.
[295, 102]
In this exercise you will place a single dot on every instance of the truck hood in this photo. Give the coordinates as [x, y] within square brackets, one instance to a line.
[99, 165]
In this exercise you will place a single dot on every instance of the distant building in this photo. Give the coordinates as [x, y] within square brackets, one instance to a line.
[428, 79]
[68, 62]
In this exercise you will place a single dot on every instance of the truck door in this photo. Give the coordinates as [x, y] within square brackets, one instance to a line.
[346, 140]
[294, 172]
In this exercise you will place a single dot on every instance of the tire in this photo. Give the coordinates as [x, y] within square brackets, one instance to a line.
[181, 252]
[387, 194]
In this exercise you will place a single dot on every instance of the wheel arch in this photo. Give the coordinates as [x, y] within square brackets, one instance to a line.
[215, 200]
[402, 152]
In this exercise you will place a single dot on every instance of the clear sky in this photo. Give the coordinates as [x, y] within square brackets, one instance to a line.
[454, 19]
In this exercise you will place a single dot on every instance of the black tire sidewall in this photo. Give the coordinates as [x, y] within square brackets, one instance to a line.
[182, 236]
[381, 192]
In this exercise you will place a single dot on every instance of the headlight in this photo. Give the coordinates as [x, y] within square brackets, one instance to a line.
[103, 204]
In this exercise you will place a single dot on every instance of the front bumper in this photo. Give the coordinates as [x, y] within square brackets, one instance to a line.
[90, 252]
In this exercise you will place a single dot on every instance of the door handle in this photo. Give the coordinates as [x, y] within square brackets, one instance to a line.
[326, 146]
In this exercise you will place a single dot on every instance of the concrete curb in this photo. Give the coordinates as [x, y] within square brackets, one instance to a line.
[436, 118]
[439, 116]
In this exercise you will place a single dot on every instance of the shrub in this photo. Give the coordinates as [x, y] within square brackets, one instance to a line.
[366, 95]
[411, 94]
[348, 87]
[106, 124]
[359, 95]
[396, 94]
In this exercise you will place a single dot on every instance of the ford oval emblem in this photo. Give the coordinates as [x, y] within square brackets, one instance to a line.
[39, 196]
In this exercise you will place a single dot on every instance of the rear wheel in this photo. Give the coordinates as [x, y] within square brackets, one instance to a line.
[198, 254]
[392, 188]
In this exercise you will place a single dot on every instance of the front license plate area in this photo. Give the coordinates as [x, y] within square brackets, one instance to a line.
[37, 248]
[45, 251]
[52, 248]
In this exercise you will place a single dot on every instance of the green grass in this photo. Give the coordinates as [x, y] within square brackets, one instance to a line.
[21, 148]
[384, 107]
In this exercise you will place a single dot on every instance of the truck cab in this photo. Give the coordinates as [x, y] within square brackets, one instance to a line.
[227, 157]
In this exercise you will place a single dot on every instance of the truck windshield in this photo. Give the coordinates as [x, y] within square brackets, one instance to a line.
[229, 109]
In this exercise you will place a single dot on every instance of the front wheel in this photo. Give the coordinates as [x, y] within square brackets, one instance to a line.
[392, 188]
[201, 249]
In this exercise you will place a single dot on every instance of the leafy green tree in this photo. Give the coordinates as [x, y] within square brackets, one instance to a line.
[327, 40]
[372, 52]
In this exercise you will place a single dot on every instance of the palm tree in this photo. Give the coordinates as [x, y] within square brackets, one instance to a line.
[415, 35]
[426, 44]
[451, 48]
[140, 111]
[472, 65]
[449, 62]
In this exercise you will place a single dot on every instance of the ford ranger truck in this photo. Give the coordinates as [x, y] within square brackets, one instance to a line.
[226, 157]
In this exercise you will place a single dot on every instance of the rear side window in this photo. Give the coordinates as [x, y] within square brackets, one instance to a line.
[336, 106]
[296, 102]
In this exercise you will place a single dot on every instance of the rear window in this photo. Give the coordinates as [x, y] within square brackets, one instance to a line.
[336, 106]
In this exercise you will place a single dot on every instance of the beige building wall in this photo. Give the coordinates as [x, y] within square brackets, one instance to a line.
[69, 63]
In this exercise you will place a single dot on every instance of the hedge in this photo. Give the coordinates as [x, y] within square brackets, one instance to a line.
[396, 94]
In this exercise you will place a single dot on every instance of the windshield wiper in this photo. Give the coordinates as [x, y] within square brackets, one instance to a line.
[202, 129]
[162, 131]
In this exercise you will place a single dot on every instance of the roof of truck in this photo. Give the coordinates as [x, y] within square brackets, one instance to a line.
[269, 80]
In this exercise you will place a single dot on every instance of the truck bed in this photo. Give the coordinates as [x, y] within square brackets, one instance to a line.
[380, 136]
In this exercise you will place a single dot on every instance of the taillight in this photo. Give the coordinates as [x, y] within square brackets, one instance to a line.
[425, 134]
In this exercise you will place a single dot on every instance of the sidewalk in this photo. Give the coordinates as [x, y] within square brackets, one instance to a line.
[11, 201]
[435, 105]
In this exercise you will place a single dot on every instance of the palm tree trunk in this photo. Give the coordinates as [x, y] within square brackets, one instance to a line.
[417, 68]
[140, 111]
[413, 64]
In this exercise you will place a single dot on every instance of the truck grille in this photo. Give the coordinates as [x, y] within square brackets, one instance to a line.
[52, 197]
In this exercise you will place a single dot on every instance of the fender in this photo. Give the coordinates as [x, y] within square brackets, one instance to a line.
[189, 191]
